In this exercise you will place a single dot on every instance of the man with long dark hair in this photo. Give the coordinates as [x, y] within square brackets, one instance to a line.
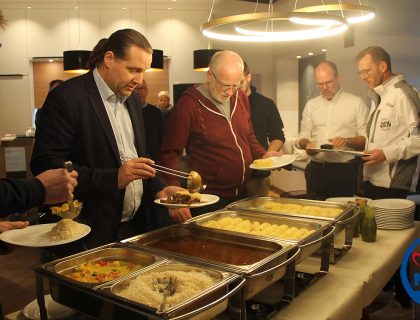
[95, 121]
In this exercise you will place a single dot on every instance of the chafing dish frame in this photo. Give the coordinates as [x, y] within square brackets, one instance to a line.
[342, 221]
[226, 278]
[57, 279]
[269, 268]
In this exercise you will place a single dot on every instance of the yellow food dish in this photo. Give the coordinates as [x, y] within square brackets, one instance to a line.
[98, 271]
[280, 231]
[263, 163]
[302, 210]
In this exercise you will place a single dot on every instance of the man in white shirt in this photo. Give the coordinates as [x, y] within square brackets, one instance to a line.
[393, 144]
[337, 120]
[393, 141]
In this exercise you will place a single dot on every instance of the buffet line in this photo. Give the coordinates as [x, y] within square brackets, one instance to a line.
[208, 267]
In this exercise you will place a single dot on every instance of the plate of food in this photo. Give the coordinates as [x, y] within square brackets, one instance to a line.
[46, 235]
[185, 199]
[273, 162]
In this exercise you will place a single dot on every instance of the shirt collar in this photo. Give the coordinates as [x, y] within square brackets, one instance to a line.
[335, 97]
[380, 90]
[104, 90]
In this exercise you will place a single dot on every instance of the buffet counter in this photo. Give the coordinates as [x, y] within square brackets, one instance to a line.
[351, 284]
[355, 281]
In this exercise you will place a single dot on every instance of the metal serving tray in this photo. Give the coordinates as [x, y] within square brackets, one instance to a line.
[81, 295]
[342, 223]
[275, 256]
[309, 244]
[205, 305]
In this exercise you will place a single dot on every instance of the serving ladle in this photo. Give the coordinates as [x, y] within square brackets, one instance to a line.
[166, 287]
[72, 208]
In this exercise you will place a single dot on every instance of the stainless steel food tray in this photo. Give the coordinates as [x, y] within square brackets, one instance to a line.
[259, 275]
[206, 305]
[309, 244]
[342, 223]
[80, 295]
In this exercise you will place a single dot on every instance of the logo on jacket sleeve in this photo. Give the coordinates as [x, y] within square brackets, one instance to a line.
[410, 271]
[385, 124]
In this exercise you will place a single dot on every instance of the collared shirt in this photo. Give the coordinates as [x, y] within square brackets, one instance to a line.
[124, 135]
[345, 115]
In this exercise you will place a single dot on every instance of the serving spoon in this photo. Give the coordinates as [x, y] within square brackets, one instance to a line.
[72, 208]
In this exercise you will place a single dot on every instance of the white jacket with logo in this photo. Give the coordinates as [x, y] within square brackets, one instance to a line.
[393, 126]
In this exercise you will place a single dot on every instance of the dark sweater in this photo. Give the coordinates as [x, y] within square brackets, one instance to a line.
[267, 123]
[17, 195]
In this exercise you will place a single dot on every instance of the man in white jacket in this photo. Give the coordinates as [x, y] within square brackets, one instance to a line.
[393, 140]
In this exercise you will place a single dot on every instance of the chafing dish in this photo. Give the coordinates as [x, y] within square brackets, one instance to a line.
[260, 261]
[309, 244]
[343, 222]
[205, 305]
[81, 295]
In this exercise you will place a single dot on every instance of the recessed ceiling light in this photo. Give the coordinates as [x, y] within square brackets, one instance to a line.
[169, 8]
[324, 50]
[50, 60]
[124, 8]
[298, 57]
[28, 7]
[310, 53]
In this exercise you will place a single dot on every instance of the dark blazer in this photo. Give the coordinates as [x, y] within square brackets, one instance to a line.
[74, 126]
[18, 195]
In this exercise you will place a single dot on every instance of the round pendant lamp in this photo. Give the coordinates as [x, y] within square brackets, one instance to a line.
[76, 61]
[157, 60]
[202, 58]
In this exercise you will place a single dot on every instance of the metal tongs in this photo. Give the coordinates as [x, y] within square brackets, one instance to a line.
[72, 208]
[194, 182]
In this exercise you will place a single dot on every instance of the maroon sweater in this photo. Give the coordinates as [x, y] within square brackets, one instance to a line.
[220, 150]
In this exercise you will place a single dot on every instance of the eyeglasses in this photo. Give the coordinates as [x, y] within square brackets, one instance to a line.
[322, 84]
[226, 87]
[364, 73]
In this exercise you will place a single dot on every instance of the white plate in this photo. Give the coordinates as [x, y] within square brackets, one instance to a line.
[54, 309]
[350, 152]
[278, 162]
[206, 199]
[344, 200]
[36, 236]
[392, 204]
[394, 227]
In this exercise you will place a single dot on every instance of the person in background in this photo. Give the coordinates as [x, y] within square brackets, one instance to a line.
[53, 84]
[154, 127]
[392, 163]
[212, 121]
[338, 119]
[153, 122]
[164, 104]
[94, 121]
[268, 128]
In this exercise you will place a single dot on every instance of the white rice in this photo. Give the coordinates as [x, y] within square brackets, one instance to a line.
[66, 229]
[188, 285]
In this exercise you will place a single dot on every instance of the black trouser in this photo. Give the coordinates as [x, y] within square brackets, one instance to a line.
[328, 180]
[374, 192]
